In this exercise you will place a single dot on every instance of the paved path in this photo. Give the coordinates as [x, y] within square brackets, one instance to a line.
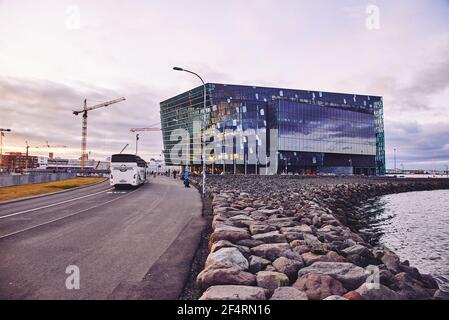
[114, 238]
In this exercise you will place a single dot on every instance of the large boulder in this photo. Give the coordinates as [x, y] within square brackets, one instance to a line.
[288, 293]
[288, 267]
[410, 288]
[319, 286]
[257, 264]
[257, 228]
[227, 244]
[271, 280]
[233, 234]
[351, 276]
[441, 295]
[234, 293]
[391, 261]
[281, 222]
[359, 255]
[310, 258]
[371, 291]
[229, 276]
[226, 258]
[270, 237]
[270, 251]
[303, 228]
[311, 240]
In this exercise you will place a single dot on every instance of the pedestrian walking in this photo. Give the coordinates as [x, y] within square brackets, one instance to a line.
[186, 175]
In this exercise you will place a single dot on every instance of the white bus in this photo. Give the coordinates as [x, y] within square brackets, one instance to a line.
[127, 170]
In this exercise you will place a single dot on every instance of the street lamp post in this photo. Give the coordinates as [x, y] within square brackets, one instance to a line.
[137, 142]
[395, 160]
[203, 126]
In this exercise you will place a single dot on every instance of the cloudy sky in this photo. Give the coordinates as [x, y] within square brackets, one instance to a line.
[53, 54]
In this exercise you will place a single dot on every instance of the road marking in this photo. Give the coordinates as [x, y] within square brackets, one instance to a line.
[68, 216]
[53, 204]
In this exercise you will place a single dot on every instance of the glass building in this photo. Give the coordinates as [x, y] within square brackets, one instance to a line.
[314, 132]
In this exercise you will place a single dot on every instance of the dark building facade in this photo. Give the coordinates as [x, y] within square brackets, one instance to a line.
[314, 132]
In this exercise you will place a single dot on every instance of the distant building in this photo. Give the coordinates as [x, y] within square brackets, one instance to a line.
[17, 161]
[273, 131]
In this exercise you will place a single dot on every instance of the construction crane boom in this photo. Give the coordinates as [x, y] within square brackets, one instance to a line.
[98, 106]
[84, 111]
[145, 129]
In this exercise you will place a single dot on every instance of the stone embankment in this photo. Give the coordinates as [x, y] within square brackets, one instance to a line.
[291, 238]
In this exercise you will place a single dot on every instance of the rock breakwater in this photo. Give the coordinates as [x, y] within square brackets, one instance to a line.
[295, 238]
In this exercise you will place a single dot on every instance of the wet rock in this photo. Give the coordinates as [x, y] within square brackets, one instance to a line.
[288, 267]
[411, 271]
[229, 276]
[319, 286]
[391, 261]
[370, 291]
[270, 237]
[270, 251]
[226, 258]
[234, 293]
[441, 295]
[288, 293]
[386, 277]
[351, 276]
[359, 255]
[429, 281]
[257, 264]
[409, 287]
[271, 280]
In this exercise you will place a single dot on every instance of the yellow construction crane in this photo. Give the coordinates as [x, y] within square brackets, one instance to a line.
[151, 128]
[84, 111]
[47, 145]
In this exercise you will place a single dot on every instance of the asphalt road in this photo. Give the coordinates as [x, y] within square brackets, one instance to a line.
[114, 237]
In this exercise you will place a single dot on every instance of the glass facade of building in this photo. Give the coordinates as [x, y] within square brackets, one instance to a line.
[316, 131]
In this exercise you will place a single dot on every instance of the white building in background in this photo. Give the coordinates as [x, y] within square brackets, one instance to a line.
[159, 166]
[49, 163]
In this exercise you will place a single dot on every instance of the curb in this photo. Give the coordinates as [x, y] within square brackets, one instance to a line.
[50, 194]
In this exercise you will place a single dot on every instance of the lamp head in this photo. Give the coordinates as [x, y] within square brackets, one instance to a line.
[178, 69]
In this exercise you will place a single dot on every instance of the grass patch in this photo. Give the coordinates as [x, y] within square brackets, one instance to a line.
[28, 190]
[70, 186]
